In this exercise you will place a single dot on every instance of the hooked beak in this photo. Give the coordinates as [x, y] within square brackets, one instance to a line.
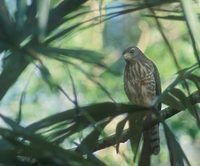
[127, 56]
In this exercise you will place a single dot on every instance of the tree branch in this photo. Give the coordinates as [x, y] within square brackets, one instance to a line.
[164, 114]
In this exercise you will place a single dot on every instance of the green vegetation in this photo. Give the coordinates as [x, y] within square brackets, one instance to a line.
[61, 77]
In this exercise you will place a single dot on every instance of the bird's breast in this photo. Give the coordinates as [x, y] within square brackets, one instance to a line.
[140, 84]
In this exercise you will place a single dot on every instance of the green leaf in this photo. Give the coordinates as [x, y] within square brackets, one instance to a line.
[145, 155]
[100, 7]
[62, 33]
[47, 77]
[61, 10]
[97, 111]
[89, 142]
[177, 156]
[177, 93]
[194, 112]
[135, 131]
[14, 65]
[168, 17]
[43, 14]
[22, 98]
[186, 103]
[196, 79]
[30, 30]
[182, 76]
[20, 15]
[11, 123]
[91, 78]
[5, 21]
[34, 147]
[32, 10]
[119, 132]
[171, 100]
[81, 54]
[193, 25]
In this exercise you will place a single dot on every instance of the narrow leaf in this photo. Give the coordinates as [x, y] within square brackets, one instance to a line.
[81, 54]
[61, 10]
[193, 25]
[97, 111]
[119, 132]
[195, 79]
[47, 77]
[135, 131]
[177, 156]
[89, 142]
[172, 101]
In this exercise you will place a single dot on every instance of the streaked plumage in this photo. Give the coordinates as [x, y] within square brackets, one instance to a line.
[142, 85]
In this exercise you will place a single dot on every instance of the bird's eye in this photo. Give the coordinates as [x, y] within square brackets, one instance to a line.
[132, 50]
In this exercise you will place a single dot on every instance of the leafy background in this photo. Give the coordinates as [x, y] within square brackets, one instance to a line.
[66, 56]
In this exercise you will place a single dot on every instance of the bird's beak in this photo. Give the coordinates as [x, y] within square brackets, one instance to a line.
[127, 56]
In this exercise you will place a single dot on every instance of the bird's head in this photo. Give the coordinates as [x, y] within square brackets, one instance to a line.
[132, 54]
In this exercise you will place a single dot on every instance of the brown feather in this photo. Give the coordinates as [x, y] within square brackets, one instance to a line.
[142, 85]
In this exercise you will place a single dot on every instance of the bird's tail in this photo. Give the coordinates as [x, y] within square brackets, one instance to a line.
[154, 139]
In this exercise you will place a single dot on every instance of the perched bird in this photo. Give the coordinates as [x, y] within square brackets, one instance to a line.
[142, 85]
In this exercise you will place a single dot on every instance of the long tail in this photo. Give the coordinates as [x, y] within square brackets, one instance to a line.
[151, 145]
[154, 139]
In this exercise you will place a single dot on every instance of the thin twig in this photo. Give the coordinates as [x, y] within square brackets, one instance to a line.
[194, 43]
[165, 39]
[22, 97]
[90, 77]
[73, 87]
[65, 94]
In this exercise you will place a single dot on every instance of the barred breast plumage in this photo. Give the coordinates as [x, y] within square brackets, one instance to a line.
[142, 85]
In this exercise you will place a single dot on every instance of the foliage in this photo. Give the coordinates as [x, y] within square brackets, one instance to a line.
[30, 34]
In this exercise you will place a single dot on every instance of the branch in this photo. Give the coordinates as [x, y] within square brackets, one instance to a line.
[164, 114]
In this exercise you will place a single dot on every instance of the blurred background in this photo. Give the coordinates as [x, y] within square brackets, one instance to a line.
[109, 35]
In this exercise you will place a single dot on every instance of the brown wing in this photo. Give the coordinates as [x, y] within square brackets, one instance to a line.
[158, 83]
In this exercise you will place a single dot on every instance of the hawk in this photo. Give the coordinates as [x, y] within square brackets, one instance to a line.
[142, 85]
